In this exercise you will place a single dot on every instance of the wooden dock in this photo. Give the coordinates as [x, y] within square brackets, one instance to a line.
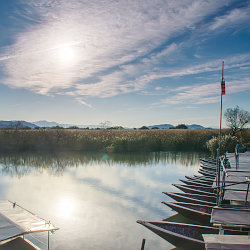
[243, 162]
[217, 200]
[236, 179]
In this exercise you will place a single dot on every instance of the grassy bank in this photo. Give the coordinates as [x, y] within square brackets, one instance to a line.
[105, 140]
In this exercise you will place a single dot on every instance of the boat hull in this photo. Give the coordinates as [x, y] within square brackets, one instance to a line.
[184, 236]
[193, 198]
[195, 189]
[208, 169]
[207, 173]
[181, 235]
[199, 178]
[201, 183]
[196, 212]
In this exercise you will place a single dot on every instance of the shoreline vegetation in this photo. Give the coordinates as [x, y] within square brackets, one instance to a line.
[112, 141]
[21, 164]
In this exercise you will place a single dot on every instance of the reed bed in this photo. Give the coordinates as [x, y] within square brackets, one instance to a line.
[105, 140]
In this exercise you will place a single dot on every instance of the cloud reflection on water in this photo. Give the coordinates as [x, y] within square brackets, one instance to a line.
[96, 202]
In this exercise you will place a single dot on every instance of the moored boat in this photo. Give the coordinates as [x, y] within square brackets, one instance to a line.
[184, 236]
[207, 173]
[209, 168]
[198, 183]
[195, 189]
[16, 221]
[193, 198]
[212, 161]
[199, 203]
[208, 163]
[197, 212]
[200, 178]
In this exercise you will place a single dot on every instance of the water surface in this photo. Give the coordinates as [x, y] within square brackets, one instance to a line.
[95, 199]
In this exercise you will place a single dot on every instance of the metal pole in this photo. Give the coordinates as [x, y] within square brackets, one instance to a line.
[248, 182]
[223, 183]
[221, 110]
[143, 244]
[220, 124]
[247, 193]
[48, 240]
[219, 183]
[219, 162]
[237, 156]
[218, 176]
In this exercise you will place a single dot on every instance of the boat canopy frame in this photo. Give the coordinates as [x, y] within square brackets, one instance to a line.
[17, 221]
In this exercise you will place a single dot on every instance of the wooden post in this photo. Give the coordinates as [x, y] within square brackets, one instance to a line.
[143, 244]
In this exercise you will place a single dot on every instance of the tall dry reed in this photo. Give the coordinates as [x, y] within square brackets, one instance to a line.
[105, 140]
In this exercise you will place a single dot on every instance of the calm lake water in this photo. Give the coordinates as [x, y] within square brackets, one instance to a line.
[95, 199]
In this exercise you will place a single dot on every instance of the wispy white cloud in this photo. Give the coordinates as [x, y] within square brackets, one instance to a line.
[105, 37]
[236, 61]
[234, 17]
[203, 93]
[161, 56]
[238, 86]
[81, 101]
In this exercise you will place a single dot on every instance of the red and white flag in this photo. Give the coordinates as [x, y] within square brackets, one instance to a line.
[223, 88]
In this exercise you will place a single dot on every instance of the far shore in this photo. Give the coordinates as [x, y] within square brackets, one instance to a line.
[108, 140]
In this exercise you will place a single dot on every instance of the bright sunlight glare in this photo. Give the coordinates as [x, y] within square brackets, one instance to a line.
[66, 54]
[66, 207]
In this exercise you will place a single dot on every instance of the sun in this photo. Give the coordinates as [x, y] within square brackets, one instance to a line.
[66, 54]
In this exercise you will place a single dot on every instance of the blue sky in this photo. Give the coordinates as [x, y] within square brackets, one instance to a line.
[130, 62]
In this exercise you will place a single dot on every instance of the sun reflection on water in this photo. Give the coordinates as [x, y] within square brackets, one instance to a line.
[66, 207]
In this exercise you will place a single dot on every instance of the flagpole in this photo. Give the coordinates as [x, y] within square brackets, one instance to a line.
[218, 160]
[222, 80]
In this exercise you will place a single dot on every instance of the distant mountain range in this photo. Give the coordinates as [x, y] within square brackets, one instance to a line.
[16, 124]
[195, 126]
[162, 126]
[167, 126]
[43, 123]
[47, 124]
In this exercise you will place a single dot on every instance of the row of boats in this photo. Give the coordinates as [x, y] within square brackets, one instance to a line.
[203, 202]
